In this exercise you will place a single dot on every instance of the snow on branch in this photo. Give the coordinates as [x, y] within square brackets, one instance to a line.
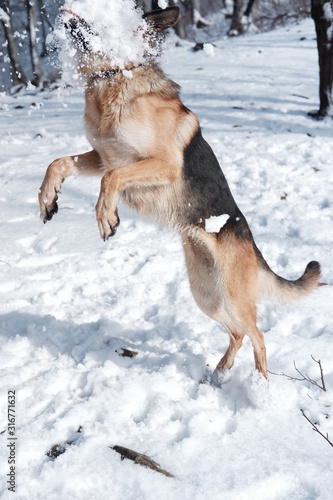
[4, 17]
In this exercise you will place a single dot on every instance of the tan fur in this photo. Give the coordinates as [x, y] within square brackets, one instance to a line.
[223, 275]
[139, 129]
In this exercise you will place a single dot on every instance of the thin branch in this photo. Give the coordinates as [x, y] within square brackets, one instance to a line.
[306, 377]
[315, 428]
[321, 372]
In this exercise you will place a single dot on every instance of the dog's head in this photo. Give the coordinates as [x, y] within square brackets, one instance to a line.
[106, 42]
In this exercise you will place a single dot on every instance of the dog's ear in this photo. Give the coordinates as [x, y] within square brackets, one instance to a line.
[162, 19]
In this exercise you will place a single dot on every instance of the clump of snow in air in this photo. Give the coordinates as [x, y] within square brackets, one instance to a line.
[214, 224]
[118, 34]
[162, 4]
[209, 49]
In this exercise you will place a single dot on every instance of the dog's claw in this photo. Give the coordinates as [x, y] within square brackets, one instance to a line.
[107, 223]
[48, 208]
[113, 230]
[115, 227]
[50, 212]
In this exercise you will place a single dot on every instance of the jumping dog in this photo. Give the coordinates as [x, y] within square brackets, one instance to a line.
[148, 149]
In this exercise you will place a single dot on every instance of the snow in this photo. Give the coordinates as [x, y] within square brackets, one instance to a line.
[70, 302]
[209, 49]
[163, 4]
[214, 224]
[4, 17]
[328, 15]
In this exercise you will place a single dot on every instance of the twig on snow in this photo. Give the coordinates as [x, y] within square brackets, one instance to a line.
[140, 459]
[315, 428]
[306, 377]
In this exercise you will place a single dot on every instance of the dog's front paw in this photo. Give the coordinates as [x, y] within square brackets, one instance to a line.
[50, 188]
[107, 220]
[48, 202]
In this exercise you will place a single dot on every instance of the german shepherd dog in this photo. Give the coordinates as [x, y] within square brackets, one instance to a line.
[148, 149]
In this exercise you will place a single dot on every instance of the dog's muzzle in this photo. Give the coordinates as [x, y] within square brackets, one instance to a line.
[79, 30]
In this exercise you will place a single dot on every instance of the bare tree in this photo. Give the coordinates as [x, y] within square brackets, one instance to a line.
[17, 74]
[40, 78]
[240, 19]
[322, 14]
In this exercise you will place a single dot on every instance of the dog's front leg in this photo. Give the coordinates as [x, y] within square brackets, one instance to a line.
[152, 171]
[106, 207]
[57, 172]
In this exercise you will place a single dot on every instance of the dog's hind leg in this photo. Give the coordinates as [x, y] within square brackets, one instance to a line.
[235, 343]
[208, 291]
[236, 259]
[223, 276]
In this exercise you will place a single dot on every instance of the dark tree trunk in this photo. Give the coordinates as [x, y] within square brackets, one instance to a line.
[17, 73]
[248, 10]
[322, 12]
[237, 27]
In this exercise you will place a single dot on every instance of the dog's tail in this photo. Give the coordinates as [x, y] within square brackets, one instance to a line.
[281, 290]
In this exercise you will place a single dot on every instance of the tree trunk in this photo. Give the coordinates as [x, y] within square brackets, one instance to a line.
[180, 27]
[17, 73]
[322, 13]
[40, 78]
[248, 10]
[195, 11]
[237, 27]
[43, 18]
[197, 19]
[144, 4]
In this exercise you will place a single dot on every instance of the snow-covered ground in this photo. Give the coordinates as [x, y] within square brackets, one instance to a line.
[70, 302]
